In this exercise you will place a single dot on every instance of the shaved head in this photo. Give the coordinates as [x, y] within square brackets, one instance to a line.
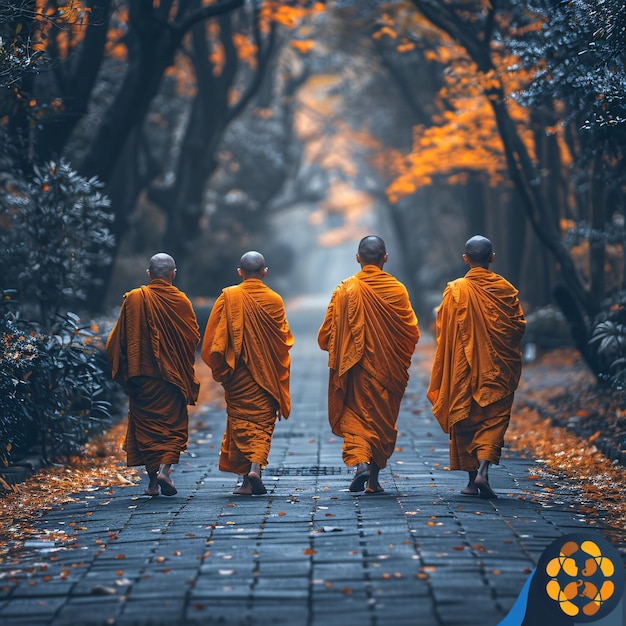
[478, 249]
[252, 264]
[161, 265]
[372, 251]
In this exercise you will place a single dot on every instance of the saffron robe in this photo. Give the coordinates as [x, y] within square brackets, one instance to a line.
[152, 353]
[479, 328]
[246, 344]
[370, 331]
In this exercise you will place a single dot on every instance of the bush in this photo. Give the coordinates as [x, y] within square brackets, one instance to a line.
[54, 236]
[56, 388]
[20, 356]
[608, 341]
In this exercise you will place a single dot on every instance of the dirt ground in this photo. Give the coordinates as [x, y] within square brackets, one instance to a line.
[575, 429]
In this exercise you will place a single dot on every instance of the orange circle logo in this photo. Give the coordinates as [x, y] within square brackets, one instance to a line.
[583, 575]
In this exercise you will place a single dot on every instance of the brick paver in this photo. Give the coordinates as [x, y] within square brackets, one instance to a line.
[308, 553]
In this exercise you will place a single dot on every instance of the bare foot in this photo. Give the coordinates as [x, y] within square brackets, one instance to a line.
[361, 476]
[470, 491]
[486, 492]
[166, 485]
[153, 486]
[256, 484]
[245, 489]
[374, 488]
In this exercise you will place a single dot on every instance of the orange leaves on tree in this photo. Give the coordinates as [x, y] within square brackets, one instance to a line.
[289, 16]
[217, 57]
[303, 45]
[463, 137]
[183, 73]
[60, 26]
[118, 27]
[385, 31]
[246, 49]
[405, 46]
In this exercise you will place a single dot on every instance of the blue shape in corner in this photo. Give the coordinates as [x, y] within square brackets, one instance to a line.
[515, 617]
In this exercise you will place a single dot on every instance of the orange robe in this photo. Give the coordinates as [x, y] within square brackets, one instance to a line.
[370, 332]
[477, 364]
[152, 353]
[246, 344]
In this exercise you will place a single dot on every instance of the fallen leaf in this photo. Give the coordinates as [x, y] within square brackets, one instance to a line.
[103, 590]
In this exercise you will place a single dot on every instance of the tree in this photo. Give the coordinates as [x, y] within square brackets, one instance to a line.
[580, 56]
[84, 43]
[484, 32]
[217, 51]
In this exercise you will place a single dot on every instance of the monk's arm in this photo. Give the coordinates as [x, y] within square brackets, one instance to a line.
[193, 321]
[442, 323]
[323, 336]
[215, 341]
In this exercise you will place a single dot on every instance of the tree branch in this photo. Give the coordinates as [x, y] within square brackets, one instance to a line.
[207, 12]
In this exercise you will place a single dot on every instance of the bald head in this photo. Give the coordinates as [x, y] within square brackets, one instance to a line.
[162, 266]
[252, 265]
[372, 251]
[479, 251]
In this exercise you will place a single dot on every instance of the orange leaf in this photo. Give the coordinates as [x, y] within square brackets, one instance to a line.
[594, 436]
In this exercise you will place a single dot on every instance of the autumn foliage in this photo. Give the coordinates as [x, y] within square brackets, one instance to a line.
[462, 137]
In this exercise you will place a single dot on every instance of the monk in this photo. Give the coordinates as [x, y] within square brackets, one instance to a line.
[152, 353]
[370, 332]
[246, 344]
[477, 365]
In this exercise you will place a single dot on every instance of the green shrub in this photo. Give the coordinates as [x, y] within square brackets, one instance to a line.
[608, 341]
[54, 236]
[55, 388]
[20, 356]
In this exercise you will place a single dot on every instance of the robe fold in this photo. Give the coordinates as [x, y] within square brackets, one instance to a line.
[246, 344]
[477, 363]
[370, 331]
[152, 353]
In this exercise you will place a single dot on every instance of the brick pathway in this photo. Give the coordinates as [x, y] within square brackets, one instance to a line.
[309, 553]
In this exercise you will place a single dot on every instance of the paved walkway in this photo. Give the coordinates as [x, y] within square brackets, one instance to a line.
[309, 553]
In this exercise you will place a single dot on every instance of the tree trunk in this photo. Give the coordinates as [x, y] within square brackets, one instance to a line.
[209, 119]
[522, 171]
[75, 83]
[134, 171]
[154, 41]
[597, 221]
